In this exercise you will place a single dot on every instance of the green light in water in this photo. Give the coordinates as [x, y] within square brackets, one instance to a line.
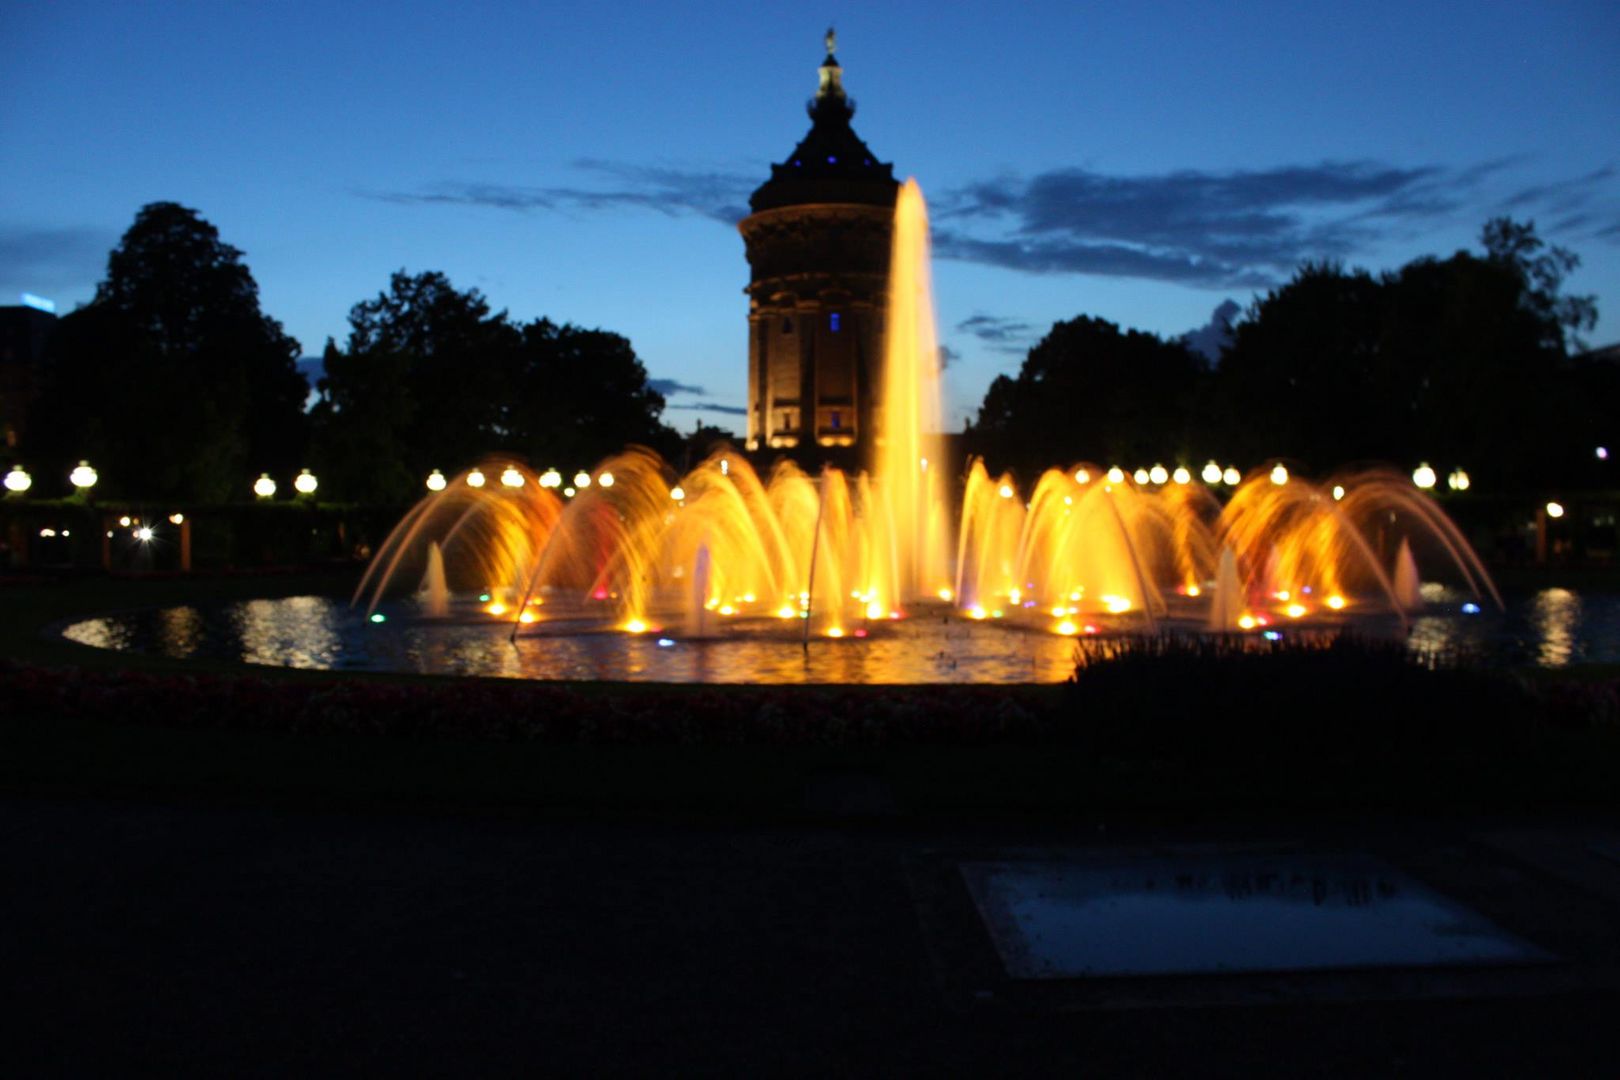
[378, 617]
[483, 598]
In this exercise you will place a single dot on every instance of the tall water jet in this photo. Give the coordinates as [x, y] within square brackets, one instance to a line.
[1226, 604]
[908, 463]
[1408, 586]
[435, 593]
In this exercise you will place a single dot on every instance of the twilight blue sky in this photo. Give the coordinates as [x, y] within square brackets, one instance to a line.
[1142, 163]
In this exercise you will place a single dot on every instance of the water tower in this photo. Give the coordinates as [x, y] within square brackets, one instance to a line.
[818, 252]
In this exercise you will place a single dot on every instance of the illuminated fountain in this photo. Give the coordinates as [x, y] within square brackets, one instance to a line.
[722, 551]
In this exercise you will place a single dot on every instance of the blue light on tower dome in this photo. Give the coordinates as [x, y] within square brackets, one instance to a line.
[1470, 608]
[39, 303]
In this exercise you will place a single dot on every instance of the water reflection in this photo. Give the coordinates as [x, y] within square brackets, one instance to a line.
[1556, 615]
[1113, 915]
[298, 631]
[1550, 628]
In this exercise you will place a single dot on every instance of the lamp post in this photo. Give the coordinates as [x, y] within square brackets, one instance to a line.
[264, 487]
[83, 478]
[18, 481]
[305, 483]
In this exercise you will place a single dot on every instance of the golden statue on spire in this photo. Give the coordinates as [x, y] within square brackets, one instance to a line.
[832, 41]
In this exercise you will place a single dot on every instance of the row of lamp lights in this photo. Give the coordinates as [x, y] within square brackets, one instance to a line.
[84, 477]
[512, 477]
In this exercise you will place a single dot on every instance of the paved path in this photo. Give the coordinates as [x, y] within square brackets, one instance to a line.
[196, 939]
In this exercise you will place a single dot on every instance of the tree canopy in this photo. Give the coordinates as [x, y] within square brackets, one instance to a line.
[1090, 391]
[1462, 361]
[430, 378]
[172, 380]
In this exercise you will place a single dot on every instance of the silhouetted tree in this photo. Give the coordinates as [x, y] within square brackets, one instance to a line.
[1089, 391]
[172, 380]
[1305, 377]
[431, 379]
[1458, 361]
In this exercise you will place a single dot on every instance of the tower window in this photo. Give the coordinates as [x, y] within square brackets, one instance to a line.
[832, 322]
[834, 419]
[787, 326]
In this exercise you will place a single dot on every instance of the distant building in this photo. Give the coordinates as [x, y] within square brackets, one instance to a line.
[818, 251]
[24, 333]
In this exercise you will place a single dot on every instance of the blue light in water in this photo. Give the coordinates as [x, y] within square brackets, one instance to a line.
[483, 598]
[1272, 635]
[664, 642]
[1470, 608]
[378, 616]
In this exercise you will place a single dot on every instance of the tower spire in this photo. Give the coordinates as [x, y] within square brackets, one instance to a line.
[832, 76]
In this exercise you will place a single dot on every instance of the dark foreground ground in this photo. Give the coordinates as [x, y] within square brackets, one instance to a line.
[192, 937]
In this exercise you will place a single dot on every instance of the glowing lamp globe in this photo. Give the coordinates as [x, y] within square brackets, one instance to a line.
[1423, 476]
[551, 478]
[475, 479]
[264, 487]
[606, 479]
[1279, 475]
[1555, 510]
[1140, 476]
[18, 481]
[1116, 475]
[1338, 492]
[1458, 480]
[1082, 476]
[1159, 474]
[582, 480]
[1231, 477]
[305, 483]
[83, 476]
[1181, 475]
[511, 478]
[677, 493]
[436, 481]
[1211, 473]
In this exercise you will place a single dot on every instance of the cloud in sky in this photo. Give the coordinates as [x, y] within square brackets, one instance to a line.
[669, 387]
[1001, 333]
[711, 406]
[1244, 228]
[42, 259]
[714, 194]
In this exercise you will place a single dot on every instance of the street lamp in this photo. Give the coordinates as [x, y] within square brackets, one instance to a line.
[510, 477]
[1211, 473]
[1279, 475]
[475, 479]
[1231, 477]
[1423, 476]
[435, 481]
[1458, 480]
[18, 481]
[305, 483]
[264, 487]
[83, 476]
